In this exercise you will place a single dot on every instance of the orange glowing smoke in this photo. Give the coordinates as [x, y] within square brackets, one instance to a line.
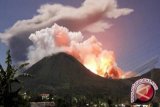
[98, 61]
[61, 39]
[104, 65]
[89, 52]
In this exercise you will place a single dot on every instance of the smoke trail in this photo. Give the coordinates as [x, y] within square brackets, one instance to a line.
[91, 16]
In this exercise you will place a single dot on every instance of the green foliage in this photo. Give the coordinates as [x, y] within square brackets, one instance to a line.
[10, 97]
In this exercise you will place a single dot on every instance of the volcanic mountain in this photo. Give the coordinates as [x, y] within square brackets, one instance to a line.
[62, 74]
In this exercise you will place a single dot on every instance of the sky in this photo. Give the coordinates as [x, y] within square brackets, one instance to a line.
[134, 37]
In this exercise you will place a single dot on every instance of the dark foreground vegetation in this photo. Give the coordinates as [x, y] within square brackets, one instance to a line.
[10, 86]
[76, 101]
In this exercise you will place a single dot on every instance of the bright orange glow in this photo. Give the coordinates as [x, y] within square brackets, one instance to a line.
[104, 65]
[61, 39]
[91, 55]
[88, 52]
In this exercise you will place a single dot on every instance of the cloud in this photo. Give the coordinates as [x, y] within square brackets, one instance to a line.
[89, 52]
[52, 40]
[91, 16]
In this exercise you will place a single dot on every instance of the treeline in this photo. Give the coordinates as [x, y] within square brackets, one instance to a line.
[76, 101]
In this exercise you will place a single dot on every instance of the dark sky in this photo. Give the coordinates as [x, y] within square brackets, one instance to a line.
[134, 38]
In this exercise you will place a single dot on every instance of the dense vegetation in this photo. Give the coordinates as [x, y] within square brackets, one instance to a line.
[10, 86]
[77, 100]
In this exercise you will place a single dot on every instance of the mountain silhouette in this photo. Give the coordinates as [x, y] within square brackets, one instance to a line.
[62, 74]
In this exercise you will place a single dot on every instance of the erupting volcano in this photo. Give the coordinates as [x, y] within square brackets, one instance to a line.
[89, 52]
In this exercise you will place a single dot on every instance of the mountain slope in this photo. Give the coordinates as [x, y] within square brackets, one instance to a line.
[62, 74]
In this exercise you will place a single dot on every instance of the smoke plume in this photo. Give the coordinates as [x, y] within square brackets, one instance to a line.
[89, 52]
[91, 16]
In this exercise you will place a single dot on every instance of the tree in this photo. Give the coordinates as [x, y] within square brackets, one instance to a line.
[110, 102]
[10, 97]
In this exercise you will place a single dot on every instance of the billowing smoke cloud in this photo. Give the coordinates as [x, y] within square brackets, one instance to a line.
[89, 52]
[90, 16]
[52, 40]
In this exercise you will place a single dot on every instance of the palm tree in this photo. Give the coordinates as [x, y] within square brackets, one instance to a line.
[8, 76]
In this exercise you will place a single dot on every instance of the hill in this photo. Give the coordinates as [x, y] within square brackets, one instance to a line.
[62, 74]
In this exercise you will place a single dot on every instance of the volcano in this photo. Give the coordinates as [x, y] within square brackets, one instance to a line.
[62, 74]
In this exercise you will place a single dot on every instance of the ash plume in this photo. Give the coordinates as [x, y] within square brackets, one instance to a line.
[91, 16]
[89, 52]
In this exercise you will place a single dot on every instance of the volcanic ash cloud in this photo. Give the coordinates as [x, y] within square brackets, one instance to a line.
[89, 52]
[91, 16]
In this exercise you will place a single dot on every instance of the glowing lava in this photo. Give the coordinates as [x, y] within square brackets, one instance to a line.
[99, 61]
[104, 65]
[89, 52]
